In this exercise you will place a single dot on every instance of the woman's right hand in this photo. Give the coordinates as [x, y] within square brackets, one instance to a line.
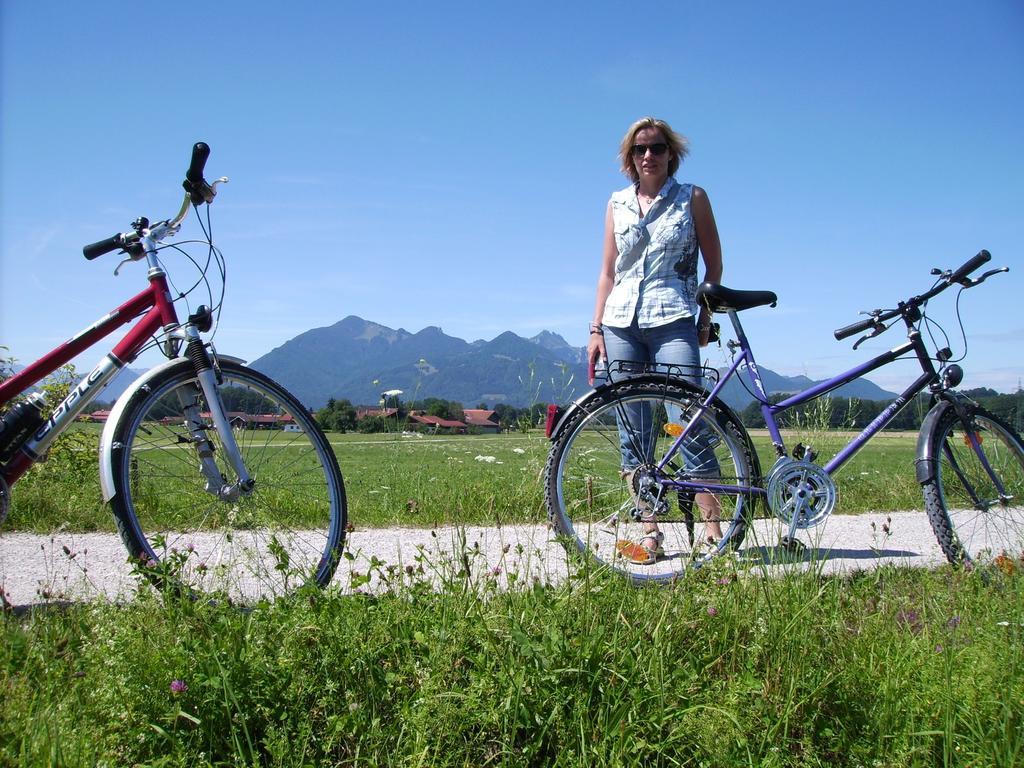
[595, 353]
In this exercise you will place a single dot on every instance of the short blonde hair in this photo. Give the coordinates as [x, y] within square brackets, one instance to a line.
[678, 146]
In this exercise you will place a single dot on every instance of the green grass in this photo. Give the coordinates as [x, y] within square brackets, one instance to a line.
[897, 667]
[464, 479]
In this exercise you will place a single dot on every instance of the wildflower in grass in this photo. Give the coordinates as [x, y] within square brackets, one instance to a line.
[1005, 564]
[953, 623]
[938, 648]
[496, 571]
[911, 620]
[712, 611]
[178, 686]
[487, 459]
[518, 450]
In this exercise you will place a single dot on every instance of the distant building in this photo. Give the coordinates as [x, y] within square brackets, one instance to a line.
[427, 423]
[386, 413]
[482, 420]
[241, 420]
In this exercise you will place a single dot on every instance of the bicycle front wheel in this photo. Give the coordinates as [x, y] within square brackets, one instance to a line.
[604, 489]
[975, 499]
[184, 531]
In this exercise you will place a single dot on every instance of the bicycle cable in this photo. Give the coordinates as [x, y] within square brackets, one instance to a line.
[221, 266]
[931, 325]
[960, 322]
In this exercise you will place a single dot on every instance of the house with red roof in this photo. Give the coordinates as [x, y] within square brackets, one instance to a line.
[427, 423]
[481, 420]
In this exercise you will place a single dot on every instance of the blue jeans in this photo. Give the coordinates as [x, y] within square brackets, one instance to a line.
[674, 343]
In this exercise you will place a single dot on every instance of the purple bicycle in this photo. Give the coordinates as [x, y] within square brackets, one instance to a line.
[692, 462]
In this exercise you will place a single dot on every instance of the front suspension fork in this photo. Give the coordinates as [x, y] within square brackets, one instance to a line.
[973, 440]
[208, 376]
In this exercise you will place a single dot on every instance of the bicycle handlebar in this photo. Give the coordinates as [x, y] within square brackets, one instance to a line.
[957, 276]
[850, 330]
[197, 191]
[200, 154]
[972, 264]
[94, 250]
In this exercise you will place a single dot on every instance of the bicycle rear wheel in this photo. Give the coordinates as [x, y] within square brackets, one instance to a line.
[287, 532]
[976, 511]
[596, 505]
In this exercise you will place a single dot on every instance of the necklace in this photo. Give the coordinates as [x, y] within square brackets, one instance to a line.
[645, 196]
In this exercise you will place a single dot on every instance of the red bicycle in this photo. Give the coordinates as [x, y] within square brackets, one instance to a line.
[218, 478]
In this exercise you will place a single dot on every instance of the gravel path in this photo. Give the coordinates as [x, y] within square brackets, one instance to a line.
[38, 569]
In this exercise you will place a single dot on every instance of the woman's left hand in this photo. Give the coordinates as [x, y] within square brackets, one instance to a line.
[703, 328]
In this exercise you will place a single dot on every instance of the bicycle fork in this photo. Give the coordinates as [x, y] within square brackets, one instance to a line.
[208, 376]
[973, 440]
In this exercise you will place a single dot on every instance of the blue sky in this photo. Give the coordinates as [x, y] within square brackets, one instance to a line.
[449, 164]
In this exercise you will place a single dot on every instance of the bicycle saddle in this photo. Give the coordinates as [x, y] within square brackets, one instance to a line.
[718, 298]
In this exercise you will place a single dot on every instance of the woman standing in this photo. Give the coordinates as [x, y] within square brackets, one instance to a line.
[646, 309]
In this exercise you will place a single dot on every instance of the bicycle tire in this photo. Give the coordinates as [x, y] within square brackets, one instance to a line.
[288, 532]
[972, 523]
[585, 487]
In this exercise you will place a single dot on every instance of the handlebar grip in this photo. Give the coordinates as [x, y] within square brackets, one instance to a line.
[96, 249]
[849, 330]
[200, 154]
[975, 262]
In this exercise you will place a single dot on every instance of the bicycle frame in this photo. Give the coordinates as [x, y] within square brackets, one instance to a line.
[155, 301]
[157, 309]
[745, 360]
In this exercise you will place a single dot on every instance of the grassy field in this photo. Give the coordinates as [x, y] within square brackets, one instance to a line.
[896, 667]
[428, 480]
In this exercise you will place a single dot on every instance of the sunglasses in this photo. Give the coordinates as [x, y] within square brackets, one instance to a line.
[639, 150]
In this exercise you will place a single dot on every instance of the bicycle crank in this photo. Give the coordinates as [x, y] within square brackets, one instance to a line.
[800, 493]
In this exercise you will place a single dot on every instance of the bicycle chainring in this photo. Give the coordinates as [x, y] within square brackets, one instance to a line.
[801, 490]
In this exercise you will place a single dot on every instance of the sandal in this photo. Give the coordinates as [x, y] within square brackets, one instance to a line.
[638, 552]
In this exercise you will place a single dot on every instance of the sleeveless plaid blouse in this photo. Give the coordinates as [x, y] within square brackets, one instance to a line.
[656, 266]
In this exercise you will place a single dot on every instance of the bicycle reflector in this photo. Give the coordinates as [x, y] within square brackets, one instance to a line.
[970, 443]
[672, 429]
[551, 420]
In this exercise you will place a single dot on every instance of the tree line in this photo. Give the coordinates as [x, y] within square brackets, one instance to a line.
[339, 415]
[851, 413]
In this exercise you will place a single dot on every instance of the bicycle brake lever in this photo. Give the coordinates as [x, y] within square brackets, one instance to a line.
[135, 252]
[879, 329]
[986, 276]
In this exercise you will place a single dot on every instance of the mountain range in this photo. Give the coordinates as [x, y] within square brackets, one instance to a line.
[358, 359]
